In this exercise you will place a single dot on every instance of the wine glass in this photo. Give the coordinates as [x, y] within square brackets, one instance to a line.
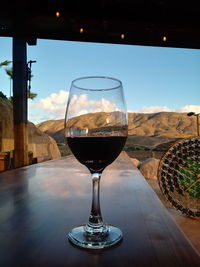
[96, 130]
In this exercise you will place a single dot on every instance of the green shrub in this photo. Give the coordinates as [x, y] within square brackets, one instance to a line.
[3, 96]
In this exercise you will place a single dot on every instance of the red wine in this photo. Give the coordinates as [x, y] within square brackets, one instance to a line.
[96, 152]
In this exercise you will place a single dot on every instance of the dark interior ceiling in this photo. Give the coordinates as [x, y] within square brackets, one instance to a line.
[141, 22]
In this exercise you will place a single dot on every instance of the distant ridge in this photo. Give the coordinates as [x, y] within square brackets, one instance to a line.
[161, 125]
[168, 124]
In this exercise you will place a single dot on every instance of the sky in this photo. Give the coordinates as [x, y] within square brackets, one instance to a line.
[154, 78]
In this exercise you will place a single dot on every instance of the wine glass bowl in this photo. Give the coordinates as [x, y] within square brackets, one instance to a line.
[96, 130]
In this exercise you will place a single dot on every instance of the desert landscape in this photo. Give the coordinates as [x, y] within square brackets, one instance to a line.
[149, 134]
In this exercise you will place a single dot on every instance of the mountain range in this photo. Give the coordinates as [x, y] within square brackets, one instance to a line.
[150, 129]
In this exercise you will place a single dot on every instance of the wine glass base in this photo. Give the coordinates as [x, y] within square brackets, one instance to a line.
[79, 237]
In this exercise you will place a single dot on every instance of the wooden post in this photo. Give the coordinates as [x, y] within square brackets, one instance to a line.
[20, 102]
[198, 125]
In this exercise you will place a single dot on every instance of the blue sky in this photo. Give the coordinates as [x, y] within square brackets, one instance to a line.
[154, 79]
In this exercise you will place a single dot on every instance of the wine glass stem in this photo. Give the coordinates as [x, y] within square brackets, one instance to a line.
[95, 224]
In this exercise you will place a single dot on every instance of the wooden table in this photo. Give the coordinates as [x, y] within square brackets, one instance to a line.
[39, 204]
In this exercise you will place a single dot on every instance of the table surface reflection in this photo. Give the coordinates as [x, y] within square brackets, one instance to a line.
[39, 204]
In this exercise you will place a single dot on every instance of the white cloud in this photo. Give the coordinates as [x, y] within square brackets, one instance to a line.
[54, 107]
[189, 108]
[153, 109]
[81, 105]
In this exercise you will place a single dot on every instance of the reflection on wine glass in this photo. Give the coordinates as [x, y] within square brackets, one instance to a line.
[96, 130]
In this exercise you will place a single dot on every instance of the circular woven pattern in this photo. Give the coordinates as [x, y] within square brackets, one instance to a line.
[179, 176]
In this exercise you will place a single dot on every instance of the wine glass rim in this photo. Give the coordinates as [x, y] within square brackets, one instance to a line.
[97, 77]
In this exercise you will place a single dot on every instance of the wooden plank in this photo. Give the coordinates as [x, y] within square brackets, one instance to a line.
[42, 202]
[4, 161]
[20, 102]
[1, 136]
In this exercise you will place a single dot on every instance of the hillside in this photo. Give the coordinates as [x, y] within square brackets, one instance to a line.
[40, 145]
[163, 126]
[168, 124]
